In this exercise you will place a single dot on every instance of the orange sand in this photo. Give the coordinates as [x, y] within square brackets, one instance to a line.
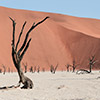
[60, 39]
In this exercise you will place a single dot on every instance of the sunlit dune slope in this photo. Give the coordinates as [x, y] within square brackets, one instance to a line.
[59, 40]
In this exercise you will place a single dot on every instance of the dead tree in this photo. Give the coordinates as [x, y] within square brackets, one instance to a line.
[0, 70]
[53, 69]
[74, 65]
[17, 55]
[38, 69]
[31, 69]
[82, 71]
[67, 67]
[34, 69]
[4, 69]
[92, 61]
[25, 66]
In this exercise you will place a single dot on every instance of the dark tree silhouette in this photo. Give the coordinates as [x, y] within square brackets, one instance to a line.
[74, 65]
[34, 69]
[17, 55]
[67, 67]
[92, 61]
[25, 66]
[38, 69]
[31, 69]
[0, 70]
[53, 69]
[4, 69]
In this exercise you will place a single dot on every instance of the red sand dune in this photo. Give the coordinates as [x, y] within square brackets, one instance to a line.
[60, 39]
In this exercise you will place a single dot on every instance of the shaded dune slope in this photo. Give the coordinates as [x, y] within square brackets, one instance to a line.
[58, 40]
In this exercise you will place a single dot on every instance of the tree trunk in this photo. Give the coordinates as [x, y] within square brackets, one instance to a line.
[73, 69]
[90, 68]
[27, 83]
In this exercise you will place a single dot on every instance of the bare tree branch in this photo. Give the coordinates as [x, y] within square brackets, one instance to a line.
[13, 40]
[21, 56]
[74, 65]
[20, 35]
[33, 26]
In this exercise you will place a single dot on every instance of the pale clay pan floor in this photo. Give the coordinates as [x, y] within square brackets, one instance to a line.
[48, 86]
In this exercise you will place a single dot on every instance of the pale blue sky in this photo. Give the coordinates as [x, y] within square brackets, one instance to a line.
[80, 8]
